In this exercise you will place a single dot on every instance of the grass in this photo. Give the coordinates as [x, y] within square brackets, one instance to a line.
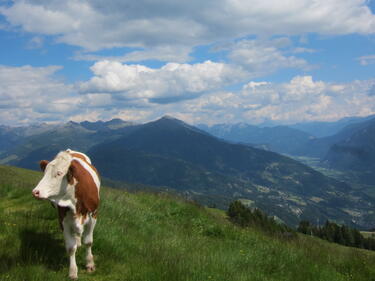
[151, 237]
[368, 234]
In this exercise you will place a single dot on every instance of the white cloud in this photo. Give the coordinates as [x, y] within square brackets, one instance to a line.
[301, 50]
[302, 87]
[29, 94]
[35, 43]
[366, 60]
[304, 99]
[26, 82]
[301, 99]
[95, 25]
[173, 80]
[178, 54]
[371, 91]
[264, 57]
[34, 94]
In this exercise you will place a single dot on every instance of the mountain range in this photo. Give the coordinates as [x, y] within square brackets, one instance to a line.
[348, 152]
[355, 154]
[349, 147]
[170, 154]
[324, 129]
[281, 139]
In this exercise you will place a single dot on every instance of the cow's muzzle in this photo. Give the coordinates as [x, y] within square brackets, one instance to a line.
[36, 194]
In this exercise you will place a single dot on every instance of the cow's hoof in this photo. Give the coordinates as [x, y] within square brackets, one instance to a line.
[73, 273]
[73, 277]
[90, 268]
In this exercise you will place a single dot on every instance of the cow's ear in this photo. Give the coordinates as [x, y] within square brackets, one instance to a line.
[43, 164]
[70, 174]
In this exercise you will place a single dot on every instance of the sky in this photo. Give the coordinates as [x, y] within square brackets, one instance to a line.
[212, 61]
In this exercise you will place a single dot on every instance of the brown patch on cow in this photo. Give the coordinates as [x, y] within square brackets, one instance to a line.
[95, 214]
[78, 155]
[69, 176]
[82, 157]
[43, 164]
[62, 213]
[86, 190]
[83, 218]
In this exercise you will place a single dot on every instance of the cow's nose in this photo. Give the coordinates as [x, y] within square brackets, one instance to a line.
[36, 193]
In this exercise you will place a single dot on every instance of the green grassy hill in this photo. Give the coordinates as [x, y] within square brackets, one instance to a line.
[145, 236]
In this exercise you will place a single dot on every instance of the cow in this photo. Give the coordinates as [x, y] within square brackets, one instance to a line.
[72, 184]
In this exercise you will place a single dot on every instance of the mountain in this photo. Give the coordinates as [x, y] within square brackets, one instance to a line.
[44, 141]
[9, 138]
[168, 152]
[113, 124]
[281, 139]
[349, 155]
[319, 147]
[325, 129]
[356, 152]
[154, 236]
[311, 139]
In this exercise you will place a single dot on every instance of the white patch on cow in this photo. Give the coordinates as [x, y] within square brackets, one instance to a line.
[54, 183]
[72, 230]
[88, 160]
[68, 200]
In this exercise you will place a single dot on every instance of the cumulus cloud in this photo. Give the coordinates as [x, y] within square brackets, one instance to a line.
[95, 25]
[301, 99]
[35, 94]
[264, 57]
[173, 80]
[304, 99]
[371, 91]
[29, 94]
[25, 82]
[132, 92]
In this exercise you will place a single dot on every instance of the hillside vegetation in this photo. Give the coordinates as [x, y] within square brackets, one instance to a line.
[147, 236]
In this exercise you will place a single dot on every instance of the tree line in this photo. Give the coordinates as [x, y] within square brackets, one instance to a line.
[340, 234]
[255, 218]
[244, 216]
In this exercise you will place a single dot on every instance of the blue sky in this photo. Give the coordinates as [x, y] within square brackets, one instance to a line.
[219, 61]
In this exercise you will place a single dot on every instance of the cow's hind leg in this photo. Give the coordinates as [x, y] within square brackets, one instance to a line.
[88, 241]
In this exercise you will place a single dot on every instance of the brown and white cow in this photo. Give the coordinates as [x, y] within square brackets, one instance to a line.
[72, 184]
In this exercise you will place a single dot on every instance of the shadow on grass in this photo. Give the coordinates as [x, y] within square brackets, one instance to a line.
[36, 248]
[41, 248]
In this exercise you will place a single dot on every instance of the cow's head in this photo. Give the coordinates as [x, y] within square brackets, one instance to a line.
[56, 177]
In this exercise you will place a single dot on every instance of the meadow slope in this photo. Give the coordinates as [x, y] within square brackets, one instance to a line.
[146, 236]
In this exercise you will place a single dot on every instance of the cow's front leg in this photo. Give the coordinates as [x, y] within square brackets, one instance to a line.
[87, 241]
[71, 248]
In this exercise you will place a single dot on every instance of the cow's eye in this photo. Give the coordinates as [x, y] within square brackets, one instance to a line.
[59, 173]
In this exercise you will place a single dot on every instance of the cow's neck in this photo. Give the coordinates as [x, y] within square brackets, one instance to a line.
[67, 200]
